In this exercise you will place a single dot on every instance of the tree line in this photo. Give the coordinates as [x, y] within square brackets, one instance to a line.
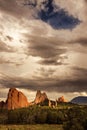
[74, 118]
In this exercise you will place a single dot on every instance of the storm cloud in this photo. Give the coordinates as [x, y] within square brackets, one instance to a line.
[82, 41]
[44, 46]
[75, 83]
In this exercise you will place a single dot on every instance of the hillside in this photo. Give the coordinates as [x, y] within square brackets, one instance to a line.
[81, 100]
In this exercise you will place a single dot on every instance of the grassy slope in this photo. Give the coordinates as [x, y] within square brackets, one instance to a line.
[31, 127]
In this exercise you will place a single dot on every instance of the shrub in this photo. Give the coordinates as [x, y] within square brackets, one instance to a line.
[41, 117]
[52, 117]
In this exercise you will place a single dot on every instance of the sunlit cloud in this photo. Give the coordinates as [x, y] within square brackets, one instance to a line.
[39, 52]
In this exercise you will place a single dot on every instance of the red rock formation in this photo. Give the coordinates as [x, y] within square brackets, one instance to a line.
[61, 99]
[40, 97]
[16, 99]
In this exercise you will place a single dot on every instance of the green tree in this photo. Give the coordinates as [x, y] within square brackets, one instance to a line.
[52, 117]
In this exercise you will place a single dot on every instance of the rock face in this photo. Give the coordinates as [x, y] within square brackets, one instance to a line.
[16, 99]
[61, 99]
[40, 97]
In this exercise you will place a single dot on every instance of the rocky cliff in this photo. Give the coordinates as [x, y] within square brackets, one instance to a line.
[40, 97]
[62, 99]
[16, 99]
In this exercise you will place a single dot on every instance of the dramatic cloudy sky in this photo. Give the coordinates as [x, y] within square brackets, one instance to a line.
[43, 46]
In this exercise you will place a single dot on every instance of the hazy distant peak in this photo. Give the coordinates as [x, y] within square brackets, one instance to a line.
[82, 100]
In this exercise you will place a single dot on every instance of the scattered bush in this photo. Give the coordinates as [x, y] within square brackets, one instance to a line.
[74, 118]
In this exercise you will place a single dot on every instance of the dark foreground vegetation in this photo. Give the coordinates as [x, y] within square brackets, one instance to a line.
[71, 118]
[31, 127]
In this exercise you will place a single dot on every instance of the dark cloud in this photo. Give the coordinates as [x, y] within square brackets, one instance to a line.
[53, 15]
[17, 82]
[9, 38]
[8, 6]
[71, 84]
[82, 41]
[53, 61]
[79, 72]
[56, 17]
[48, 49]
[46, 11]
[6, 51]
[44, 51]
[85, 0]
[42, 72]
[11, 7]
[50, 62]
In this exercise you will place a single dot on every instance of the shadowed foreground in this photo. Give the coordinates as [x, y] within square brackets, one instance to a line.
[31, 127]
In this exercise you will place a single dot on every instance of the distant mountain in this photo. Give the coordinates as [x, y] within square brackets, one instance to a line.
[82, 100]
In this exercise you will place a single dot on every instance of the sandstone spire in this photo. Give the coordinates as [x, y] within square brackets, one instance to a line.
[61, 99]
[16, 99]
[40, 97]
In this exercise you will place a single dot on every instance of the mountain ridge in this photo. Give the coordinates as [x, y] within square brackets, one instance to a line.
[81, 100]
